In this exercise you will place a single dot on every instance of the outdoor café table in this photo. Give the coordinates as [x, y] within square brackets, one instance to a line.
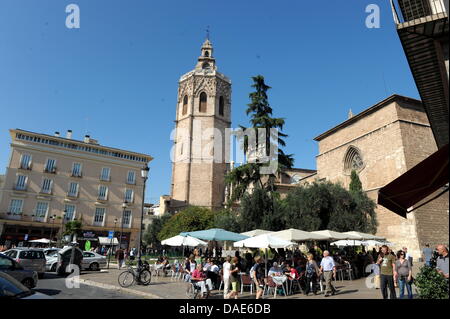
[280, 280]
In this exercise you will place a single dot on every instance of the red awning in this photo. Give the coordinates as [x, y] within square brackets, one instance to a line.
[416, 184]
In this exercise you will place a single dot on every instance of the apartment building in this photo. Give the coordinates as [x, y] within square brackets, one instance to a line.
[51, 180]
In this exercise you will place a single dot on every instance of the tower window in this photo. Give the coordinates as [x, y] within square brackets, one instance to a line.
[203, 100]
[207, 53]
[221, 105]
[205, 65]
[185, 103]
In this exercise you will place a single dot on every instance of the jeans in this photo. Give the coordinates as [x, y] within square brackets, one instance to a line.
[402, 282]
[428, 263]
[311, 281]
[385, 282]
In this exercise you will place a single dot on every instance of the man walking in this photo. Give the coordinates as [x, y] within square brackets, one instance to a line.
[427, 254]
[387, 272]
[408, 256]
[328, 268]
[120, 256]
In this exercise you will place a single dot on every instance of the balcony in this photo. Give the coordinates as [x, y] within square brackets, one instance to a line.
[12, 215]
[77, 175]
[20, 188]
[422, 26]
[50, 170]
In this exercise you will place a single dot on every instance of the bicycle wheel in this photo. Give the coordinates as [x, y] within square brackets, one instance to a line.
[126, 279]
[145, 277]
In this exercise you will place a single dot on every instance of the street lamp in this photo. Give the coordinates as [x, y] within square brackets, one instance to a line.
[111, 242]
[124, 206]
[144, 175]
[62, 224]
[51, 230]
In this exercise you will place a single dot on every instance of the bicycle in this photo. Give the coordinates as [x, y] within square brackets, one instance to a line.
[141, 275]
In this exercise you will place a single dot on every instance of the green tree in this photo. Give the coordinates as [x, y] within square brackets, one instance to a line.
[150, 236]
[260, 113]
[72, 227]
[431, 284]
[329, 206]
[190, 219]
[355, 183]
[227, 220]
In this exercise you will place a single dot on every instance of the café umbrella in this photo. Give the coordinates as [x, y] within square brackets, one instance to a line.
[292, 234]
[183, 241]
[264, 241]
[215, 234]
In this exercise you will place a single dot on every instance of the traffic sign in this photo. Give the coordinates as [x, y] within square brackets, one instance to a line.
[111, 234]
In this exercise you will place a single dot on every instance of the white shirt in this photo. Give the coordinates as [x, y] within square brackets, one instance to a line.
[226, 269]
[215, 268]
[327, 263]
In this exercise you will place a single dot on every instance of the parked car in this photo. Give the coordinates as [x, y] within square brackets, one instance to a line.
[10, 288]
[29, 258]
[9, 266]
[93, 261]
[51, 251]
[64, 256]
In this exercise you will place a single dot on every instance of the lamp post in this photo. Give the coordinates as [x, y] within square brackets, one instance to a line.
[51, 230]
[144, 175]
[124, 205]
[62, 224]
[111, 242]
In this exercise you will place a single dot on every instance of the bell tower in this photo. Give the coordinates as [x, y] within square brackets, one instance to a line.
[203, 113]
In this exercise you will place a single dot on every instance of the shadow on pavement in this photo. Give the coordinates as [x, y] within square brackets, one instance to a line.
[49, 292]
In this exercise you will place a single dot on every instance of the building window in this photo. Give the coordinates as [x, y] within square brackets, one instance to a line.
[353, 160]
[102, 192]
[41, 211]
[21, 183]
[221, 106]
[127, 218]
[15, 206]
[99, 216]
[73, 189]
[76, 170]
[47, 186]
[129, 194]
[203, 101]
[25, 161]
[206, 66]
[69, 212]
[131, 177]
[185, 105]
[50, 166]
[105, 174]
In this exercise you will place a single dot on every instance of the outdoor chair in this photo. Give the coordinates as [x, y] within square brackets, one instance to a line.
[271, 285]
[246, 281]
[349, 272]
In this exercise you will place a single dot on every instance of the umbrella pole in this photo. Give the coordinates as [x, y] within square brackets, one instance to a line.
[266, 257]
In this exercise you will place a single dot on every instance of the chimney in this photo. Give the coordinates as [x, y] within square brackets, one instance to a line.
[87, 138]
[69, 134]
[57, 134]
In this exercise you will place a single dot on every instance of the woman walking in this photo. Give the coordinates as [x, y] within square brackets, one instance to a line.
[311, 274]
[234, 278]
[404, 271]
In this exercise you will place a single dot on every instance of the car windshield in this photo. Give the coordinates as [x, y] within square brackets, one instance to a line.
[9, 287]
[53, 253]
[31, 254]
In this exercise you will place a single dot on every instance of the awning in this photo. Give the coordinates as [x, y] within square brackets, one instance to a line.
[107, 241]
[416, 184]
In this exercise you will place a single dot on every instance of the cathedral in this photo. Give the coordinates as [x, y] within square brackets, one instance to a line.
[380, 143]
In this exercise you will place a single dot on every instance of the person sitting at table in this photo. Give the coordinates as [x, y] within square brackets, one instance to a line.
[199, 279]
[207, 265]
[189, 267]
[213, 273]
[291, 272]
[275, 270]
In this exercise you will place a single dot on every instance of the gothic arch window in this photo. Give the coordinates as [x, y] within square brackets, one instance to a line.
[221, 106]
[202, 104]
[207, 53]
[205, 65]
[353, 160]
[185, 105]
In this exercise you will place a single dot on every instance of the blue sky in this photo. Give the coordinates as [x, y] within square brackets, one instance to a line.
[116, 77]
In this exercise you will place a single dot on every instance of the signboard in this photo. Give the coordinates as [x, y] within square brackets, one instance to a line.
[87, 245]
[111, 234]
[26, 237]
[88, 234]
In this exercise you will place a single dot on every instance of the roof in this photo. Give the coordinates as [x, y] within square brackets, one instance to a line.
[376, 107]
[59, 138]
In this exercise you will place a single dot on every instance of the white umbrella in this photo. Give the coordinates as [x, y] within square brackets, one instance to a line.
[347, 243]
[264, 241]
[334, 235]
[298, 235]
[183, 241]
[376, 243]
[41, 241]
[364, 236]
[256, 232]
